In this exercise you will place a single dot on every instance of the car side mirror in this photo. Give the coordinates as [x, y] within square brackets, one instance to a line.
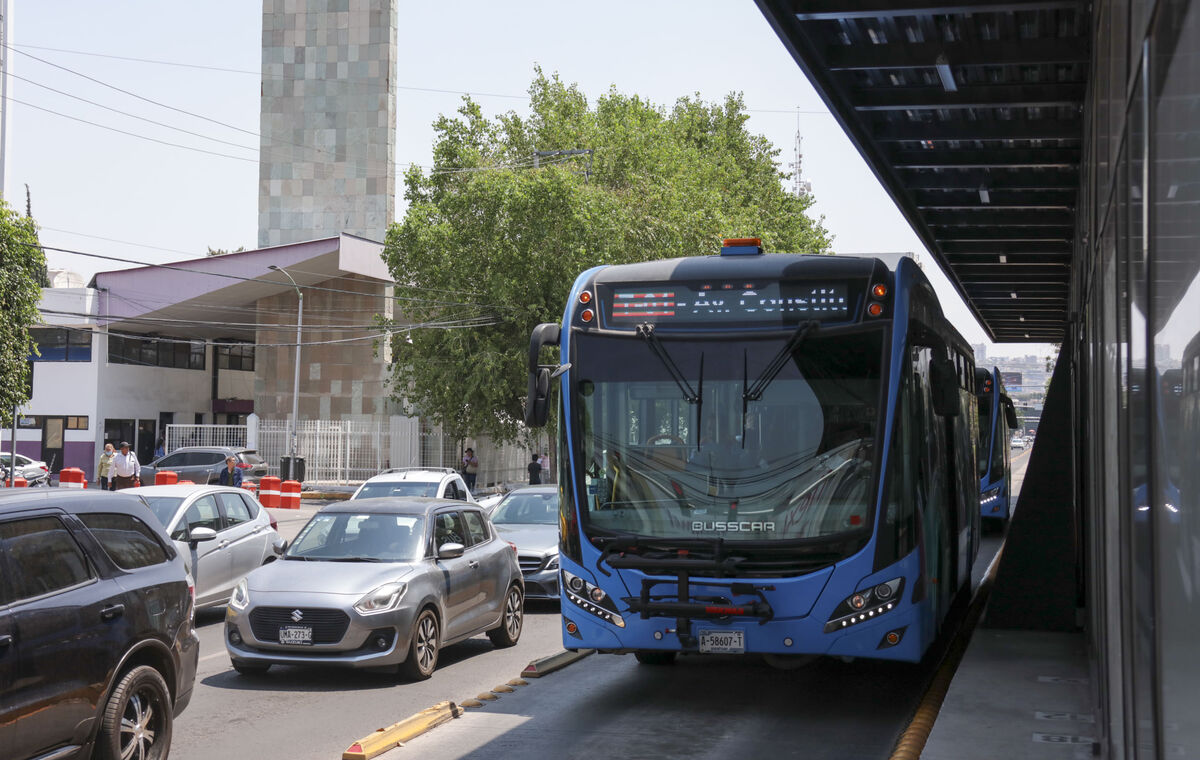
[196, 535]
[1010, 414]
[279, 546]
[451, 551]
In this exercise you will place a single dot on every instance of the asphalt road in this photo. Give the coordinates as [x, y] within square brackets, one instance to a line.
[601, 706]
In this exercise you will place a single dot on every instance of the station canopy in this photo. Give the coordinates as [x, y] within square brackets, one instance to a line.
[971, 115]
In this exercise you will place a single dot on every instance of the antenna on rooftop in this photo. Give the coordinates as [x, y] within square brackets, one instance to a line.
[800, 186]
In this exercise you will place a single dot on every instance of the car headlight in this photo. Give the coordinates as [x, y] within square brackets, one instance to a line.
[553, 563]
[241, 596]
[382, 599]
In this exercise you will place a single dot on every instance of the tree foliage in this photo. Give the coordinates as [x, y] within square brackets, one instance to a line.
[487, 236]
[22, 268]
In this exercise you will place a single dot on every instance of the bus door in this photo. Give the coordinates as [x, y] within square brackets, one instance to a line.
[934, 498]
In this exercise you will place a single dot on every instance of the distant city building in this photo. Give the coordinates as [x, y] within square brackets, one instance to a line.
[328, 120]
[980, 353]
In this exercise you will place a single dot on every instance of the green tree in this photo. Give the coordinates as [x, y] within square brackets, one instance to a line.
[494, 243]
[22, 268]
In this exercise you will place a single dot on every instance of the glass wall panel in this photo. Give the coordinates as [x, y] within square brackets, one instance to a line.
[1175, 271]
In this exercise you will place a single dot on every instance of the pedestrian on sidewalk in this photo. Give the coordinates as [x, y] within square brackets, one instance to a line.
[231, 475]
[470, 469]
[125, 468]
[104, 468]
[160, 449]
[544, 463]
[535, 472]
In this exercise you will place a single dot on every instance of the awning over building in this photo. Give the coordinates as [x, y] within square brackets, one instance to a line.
[205, 297]
[970, 114]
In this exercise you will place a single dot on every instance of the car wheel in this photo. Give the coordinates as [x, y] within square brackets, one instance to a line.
[655, 658]
[509, 631]
[246, 669]
[423, 649]
[137, 719]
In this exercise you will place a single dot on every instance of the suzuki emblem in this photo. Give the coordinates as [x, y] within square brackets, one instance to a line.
[297, 616]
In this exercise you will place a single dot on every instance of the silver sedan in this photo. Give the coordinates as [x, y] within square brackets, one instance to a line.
[528, 517]
[379, 582]
[221, 532]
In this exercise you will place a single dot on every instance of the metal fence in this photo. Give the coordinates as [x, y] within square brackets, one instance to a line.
[350, 451]
[205, 435]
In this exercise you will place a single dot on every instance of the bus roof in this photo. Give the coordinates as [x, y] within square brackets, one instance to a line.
[775, 266]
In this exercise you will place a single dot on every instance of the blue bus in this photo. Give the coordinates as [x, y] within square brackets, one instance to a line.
[997, 422]
[759, 453]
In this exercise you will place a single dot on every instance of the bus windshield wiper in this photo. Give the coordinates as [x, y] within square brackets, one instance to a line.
[645, 331]
[775, 366]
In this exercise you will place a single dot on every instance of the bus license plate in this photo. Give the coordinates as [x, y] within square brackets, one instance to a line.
[295, 634]
[722, 642]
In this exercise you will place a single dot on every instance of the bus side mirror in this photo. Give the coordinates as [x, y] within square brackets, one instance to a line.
[1010, 414]
[943, 379]
[537, 406]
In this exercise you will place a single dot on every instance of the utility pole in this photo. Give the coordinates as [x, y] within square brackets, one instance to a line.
[296, 377]
[4, 58]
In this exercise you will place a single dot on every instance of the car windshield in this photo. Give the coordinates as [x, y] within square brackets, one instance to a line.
[776, 456]
[527, 508]
[369, 537]
[397, 488]
[164, 507]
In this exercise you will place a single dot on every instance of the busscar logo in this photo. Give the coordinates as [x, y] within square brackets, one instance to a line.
[744, 526]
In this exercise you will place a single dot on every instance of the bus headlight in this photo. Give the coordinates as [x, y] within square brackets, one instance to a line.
[866, 604]
[591, 598]
[990, 495]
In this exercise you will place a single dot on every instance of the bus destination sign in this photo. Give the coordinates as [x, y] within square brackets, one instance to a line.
[766, 304]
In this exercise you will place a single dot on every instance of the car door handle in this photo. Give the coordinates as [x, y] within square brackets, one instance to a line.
[5, 641]
[222, 545]
[474, 563]
[115, 611]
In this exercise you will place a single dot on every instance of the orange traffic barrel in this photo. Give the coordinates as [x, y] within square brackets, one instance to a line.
[166, 478]
[290, 496]
[268, 491]
[19, 482]
[185, 482]
[251, 487]
[71, 477]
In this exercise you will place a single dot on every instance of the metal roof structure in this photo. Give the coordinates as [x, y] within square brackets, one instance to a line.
[970, 114]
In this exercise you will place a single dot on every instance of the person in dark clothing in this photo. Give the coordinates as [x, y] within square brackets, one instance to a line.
[535, 472]
[231, 475]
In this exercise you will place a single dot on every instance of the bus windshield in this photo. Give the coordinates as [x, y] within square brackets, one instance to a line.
[698, 439]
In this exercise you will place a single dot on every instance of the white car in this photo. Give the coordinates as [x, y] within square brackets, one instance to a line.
[433, 482]
[222, 533]
[1017, 443]
[35, 473]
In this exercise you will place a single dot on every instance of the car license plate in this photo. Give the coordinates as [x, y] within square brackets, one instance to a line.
[295, 634]
[722, 642]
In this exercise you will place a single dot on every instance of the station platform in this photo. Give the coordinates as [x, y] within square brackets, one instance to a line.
[1017, 694]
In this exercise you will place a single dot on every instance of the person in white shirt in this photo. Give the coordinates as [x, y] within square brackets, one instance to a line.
[125, 468]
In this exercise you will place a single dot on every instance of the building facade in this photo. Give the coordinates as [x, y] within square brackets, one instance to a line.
[328, 120]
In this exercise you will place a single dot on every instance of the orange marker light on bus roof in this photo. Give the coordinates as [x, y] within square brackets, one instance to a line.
[875, 309]
[879, 291]
[585, 296]
[731, 242]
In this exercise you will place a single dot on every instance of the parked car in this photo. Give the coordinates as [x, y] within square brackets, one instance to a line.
[223, 533]
[36, 473]
[1017, 443]
[378, 582]
[488, 503]
[203, 464]
[98, 646]
[431, 482]
[528, 517]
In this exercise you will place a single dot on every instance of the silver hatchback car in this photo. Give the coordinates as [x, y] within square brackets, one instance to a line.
[375, 583]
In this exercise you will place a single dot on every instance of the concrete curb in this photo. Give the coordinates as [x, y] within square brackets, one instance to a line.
[328, 495]
[548, 665]
[911, 743]
[406, 730]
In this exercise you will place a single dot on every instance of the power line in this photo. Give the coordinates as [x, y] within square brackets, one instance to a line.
[11, 99]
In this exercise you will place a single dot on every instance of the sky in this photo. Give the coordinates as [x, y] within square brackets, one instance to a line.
[102, 191]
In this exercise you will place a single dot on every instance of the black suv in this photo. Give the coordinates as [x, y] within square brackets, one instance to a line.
[203, 464]
[98, 646]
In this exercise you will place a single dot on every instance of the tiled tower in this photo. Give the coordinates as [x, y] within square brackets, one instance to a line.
[328, 120]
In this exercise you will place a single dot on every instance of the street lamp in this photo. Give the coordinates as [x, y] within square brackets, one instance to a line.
[296, 378]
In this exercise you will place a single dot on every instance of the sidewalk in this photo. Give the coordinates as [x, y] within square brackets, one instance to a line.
[1017, 694]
